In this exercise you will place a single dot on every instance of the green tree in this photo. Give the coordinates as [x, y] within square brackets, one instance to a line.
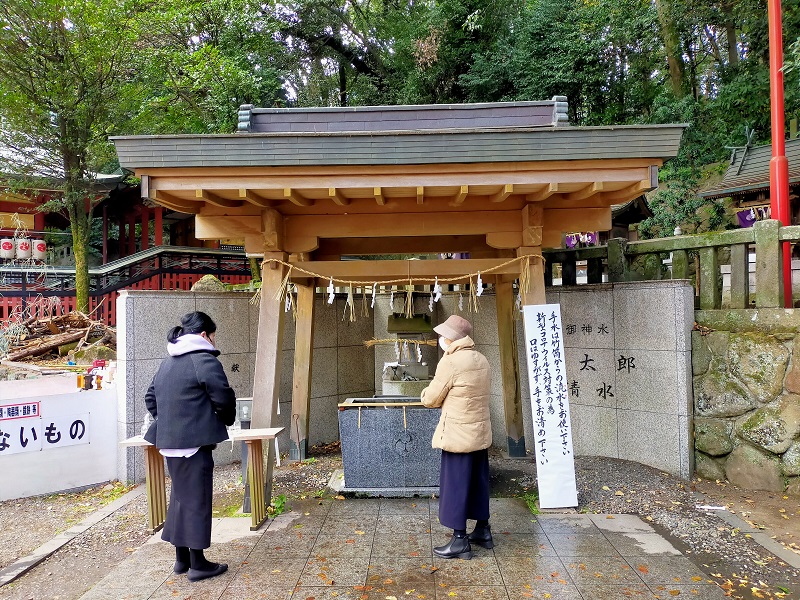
[198, 61]
[62, 68]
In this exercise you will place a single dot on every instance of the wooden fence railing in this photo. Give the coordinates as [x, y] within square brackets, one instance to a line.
[40, 291]
[695, 257]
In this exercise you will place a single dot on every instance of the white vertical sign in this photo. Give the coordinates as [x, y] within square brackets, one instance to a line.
[552, 433]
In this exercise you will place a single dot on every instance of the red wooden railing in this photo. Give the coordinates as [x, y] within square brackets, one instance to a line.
[41, 292]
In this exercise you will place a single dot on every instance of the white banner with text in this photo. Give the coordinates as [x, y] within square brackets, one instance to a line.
[552, 433]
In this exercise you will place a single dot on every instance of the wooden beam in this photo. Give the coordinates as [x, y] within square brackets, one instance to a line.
[552, 239]
[509, 368]
[400, 224]
[216, 228]
[628, 193]
[178, 204]
[272, 226]
[216, 200]
[378, 193]
[543, 194]
[504, 193]
[504, 239]
[334, 195]
[535, 291]
[404, 245]
[367, 270]
[295, 198]
[301, 387]
[420, 194]
[459, 198]
[586, 192]
[576, 219]
[532, 225]
[269, 350]
[253, 198]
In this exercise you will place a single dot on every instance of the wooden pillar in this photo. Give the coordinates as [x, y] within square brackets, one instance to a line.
[594, 270]
[121, 241]
[509, 368]
[159, 226]
[131, 234]
[535, 292]
[145, 228]
[301, 388]
[105, 234]
[267, 376]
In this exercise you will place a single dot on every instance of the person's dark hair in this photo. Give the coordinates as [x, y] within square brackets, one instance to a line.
[194, 322]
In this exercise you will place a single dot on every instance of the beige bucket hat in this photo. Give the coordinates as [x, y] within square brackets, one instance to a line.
[454, 328]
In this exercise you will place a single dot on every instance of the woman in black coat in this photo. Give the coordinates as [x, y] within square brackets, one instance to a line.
[191, 403]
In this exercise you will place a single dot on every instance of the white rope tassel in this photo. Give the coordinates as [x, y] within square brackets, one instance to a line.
[374, 291]
[460, 303]
[430, 303]
[391, 301]
[331, 292]
[419, 353]
[479, 286]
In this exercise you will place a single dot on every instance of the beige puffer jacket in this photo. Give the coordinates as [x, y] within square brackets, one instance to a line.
[461, 386]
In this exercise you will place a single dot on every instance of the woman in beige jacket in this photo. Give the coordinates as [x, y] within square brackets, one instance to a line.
[461, 387]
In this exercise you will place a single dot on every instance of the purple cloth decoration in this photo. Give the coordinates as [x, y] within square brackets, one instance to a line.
[746, 217]
[571, 241]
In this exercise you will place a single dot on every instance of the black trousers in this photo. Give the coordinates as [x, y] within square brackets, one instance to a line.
[463, 488]
[189, 514]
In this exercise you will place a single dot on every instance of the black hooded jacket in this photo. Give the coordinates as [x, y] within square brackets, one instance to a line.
[190, 398]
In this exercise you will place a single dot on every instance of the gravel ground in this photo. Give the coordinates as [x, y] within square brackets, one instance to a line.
[735, 561]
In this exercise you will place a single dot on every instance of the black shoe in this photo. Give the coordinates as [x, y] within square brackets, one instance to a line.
[180, 567]
[182, 560]
[482, 536]
[197, 574]
[457, 547]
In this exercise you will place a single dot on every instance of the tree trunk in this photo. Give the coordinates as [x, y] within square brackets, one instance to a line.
[342, 84]
[672, 46]
[79, 222]
[730, 34]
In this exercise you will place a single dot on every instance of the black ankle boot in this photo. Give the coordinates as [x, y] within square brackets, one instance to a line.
[182, 561]
[482, 535]
[202, 568]
[457, 547]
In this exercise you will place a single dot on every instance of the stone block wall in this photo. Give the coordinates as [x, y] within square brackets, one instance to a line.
[644, 416]
[628, 355]
[640, 411]
[342, 366]
[746, 368]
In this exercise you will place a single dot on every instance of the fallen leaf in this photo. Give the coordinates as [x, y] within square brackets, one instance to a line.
[619, 493]
[643, 569]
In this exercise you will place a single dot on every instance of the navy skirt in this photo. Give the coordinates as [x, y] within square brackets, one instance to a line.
[189, 514]
[463, 488]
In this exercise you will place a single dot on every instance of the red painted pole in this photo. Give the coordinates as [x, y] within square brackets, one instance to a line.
[779, 166]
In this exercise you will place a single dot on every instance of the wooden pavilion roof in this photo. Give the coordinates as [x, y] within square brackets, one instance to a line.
[323, 183]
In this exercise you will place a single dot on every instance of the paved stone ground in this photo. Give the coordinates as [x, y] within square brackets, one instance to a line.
[371, 549]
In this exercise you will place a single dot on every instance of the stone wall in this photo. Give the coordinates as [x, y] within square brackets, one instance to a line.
[341, 365]
[746, 367]
[644, 415]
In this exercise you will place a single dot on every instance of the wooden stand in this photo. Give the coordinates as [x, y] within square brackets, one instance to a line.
[155, 482]
[259, 500]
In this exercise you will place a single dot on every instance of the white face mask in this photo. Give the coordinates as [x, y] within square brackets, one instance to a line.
[444, 346]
